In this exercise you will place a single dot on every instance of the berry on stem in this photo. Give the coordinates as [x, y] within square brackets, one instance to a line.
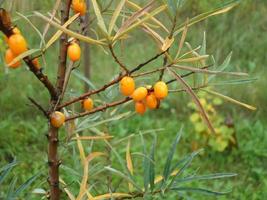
[151, 101]
[127, 85]
[140, 107]
[17, 44]
[79, 6]
[74, 51]
[88, 104]
[57, 119]
[160, 90]
[9, 56]
[139, 94]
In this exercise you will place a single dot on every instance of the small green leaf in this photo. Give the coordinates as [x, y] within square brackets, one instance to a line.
[167, 167]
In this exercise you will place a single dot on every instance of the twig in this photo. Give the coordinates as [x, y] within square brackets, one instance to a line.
[170, 36]
[148, 61]
[117, 60]
[188, 74]
[39, 107]
[100, 108]
[114, 81]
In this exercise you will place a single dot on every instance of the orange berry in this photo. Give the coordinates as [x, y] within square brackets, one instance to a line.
[36, 63]
[127, 85]
[160, 90]
[88, 104]
[74, 51]
[57, 119]
[139, 94]
[9, 56]
[79, 6]
[17, 44]
[151, 101]
[140, 107]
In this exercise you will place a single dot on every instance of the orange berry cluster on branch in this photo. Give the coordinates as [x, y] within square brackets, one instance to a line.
[17, 45]
[144, 97]
[79, 6]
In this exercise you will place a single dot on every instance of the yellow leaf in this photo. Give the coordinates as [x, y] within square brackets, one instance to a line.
[167, 43]
[99, 17]
[230, 99]
[81, 149]
[115, 16]
[123, 30]
[111, 196]
[69, 32]
[136, 7]
[129, 162]
[83, 186]
[194, 59]
[59, 32]
[70, 195]
[93, 137]
[23, 55]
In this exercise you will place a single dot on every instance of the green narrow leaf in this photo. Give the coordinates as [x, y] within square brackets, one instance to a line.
[26, 184]
[99, 17]
[115, 16]
[203, 16]
[167, 167]
[206, 177]
[230, 99]
[34, 27]
[223, 66]
[199, 190]
[235, 82]
[146, 162]
[11, 188]
[4, 171]
[152, 164]
[187, 161]
[124, 176]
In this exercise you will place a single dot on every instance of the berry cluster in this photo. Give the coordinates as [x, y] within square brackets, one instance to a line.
[17, 45]
[144, 97]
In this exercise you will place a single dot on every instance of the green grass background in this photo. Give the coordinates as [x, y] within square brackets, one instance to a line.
[243, 31]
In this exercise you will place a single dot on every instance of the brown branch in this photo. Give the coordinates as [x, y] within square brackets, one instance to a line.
[7, 28]
[63, 50]
[114, 81]
[170, 36]
[53, 160]
[39, 107]
[187, 74]
[147, 62]
[117, 60]
[100, 108]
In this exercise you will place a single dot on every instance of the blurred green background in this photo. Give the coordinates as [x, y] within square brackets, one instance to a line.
[242, 31]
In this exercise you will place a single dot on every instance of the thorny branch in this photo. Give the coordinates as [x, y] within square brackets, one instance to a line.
[39, 106]
[114, 81]
[117, 60]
